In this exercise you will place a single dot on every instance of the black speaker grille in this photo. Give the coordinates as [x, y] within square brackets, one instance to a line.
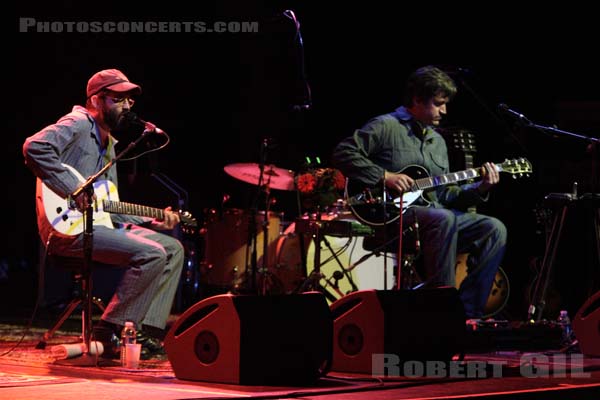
[351, 339]
[206, 347]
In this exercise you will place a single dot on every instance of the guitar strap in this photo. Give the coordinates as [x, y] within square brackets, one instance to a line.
[418, 129]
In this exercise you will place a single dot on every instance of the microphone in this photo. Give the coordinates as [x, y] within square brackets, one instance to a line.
[503, 108]
[132, 118]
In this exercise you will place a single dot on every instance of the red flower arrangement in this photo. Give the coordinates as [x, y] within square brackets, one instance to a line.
[320, 187]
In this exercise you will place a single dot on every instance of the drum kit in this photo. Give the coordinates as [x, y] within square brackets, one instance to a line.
[250, 251]
[335, 252]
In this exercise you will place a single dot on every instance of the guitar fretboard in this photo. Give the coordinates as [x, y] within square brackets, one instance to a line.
[426, 183]
[120, 207]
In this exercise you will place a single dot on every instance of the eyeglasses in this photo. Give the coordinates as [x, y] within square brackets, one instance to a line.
[121, 100]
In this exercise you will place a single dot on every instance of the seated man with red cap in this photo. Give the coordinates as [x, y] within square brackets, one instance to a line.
[152, 261]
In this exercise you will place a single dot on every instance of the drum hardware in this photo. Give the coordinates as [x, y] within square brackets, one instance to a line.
[316, 228]
[225, 261]
[410, 278]
[336, 275]
[334, 227]
[265, 177]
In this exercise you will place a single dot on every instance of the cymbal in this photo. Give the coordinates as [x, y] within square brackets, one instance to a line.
[273, 177]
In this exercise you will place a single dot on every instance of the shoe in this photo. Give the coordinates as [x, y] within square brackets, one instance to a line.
[110, 341]
[155, 332]
[152, 348]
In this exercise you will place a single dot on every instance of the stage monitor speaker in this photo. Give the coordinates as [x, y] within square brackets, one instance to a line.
[586, 326]
[253, 340]
[405, 325]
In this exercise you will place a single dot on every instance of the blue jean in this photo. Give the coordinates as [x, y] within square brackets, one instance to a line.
[153, 263]
[443, 234]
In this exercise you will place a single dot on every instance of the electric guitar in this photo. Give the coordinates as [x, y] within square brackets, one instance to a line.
[66, 219]
[368, 203]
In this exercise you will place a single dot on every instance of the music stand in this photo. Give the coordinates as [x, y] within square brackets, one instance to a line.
[86, 359]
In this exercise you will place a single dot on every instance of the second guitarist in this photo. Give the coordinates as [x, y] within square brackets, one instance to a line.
[405, 137]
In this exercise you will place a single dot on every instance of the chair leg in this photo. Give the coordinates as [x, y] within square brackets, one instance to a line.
[63, 317]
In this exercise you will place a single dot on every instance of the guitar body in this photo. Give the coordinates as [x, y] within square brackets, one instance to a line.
[498, 297]
[368, 204]
[70, 221]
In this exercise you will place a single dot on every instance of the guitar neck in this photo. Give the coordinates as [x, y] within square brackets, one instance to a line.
[434, 181]
[120, 207]
[469, 164]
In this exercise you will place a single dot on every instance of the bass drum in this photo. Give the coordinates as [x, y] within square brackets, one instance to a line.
[226, 246]
[288, 273]
[347, 251]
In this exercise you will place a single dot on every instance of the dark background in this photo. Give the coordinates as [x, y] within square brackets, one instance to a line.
[219, 95]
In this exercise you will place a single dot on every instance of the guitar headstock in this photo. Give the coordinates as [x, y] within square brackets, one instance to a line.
[517, 167]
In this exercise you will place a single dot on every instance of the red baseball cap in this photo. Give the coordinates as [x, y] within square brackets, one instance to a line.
[112, 79]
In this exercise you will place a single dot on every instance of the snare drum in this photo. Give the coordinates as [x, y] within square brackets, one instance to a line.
[227, 254]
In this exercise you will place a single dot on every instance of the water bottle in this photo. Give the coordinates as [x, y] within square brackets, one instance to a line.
[565, 323]
[128, 335]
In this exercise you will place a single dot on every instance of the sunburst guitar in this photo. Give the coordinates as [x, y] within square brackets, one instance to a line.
[499, 292]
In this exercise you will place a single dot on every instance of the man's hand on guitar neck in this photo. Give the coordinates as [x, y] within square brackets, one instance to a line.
[398, 182]
[170, 221]
[490, 177]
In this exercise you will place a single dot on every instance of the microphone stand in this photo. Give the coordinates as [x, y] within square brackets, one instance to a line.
[87, 359]
[556, 131]
[189, 283]
[252, 231]
[536, 308]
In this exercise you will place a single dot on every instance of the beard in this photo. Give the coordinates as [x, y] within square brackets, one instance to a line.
[111, 117]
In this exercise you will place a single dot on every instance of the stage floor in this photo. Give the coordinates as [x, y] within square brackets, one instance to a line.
[30, 373]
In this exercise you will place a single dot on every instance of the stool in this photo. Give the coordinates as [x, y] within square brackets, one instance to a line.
[85, 286]
[387, 242]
